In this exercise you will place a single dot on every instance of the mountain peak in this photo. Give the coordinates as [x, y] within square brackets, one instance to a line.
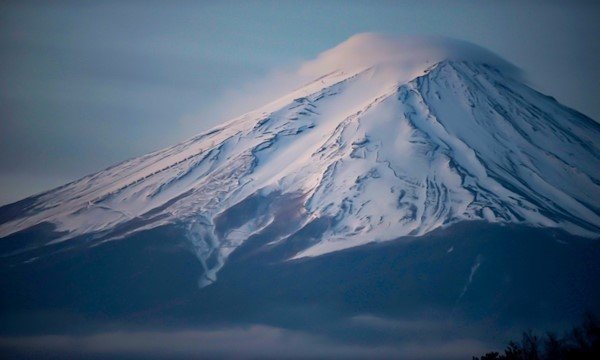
[394, 139]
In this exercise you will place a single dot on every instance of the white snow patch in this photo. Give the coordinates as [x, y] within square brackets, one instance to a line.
[474, 269]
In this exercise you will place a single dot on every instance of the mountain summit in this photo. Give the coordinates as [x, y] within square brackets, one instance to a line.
[394, 138]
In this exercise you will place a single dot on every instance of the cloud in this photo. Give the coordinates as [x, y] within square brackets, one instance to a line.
[409, 55]
[396, 59]
[255, 341]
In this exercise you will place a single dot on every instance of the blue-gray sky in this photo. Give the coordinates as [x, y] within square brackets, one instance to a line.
[85, 84]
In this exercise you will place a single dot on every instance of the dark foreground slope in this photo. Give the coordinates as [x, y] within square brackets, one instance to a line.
[472, 280]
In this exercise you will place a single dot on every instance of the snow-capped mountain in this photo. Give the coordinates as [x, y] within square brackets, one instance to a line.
[398, 143]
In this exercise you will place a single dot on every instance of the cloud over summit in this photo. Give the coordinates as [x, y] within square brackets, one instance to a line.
[409, 55]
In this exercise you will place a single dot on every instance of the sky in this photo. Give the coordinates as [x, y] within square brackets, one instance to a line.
[86, 84]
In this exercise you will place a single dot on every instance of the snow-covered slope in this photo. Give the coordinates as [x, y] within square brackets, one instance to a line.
[384, 147]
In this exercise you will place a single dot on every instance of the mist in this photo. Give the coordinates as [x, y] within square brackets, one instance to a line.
[254, 341]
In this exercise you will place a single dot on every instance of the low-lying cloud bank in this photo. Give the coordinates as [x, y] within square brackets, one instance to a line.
[256, 341]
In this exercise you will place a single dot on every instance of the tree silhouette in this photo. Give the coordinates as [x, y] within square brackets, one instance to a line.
[582, 342]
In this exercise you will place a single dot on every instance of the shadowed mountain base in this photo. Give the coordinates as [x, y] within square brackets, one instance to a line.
[471, 280]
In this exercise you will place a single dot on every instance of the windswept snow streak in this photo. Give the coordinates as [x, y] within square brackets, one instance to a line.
[379, 159]
[474, 269]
